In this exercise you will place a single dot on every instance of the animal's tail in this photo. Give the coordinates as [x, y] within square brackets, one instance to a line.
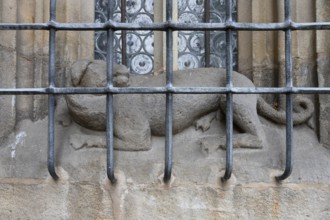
[303, 110]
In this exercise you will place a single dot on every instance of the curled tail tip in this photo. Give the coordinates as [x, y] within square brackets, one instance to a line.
[303, 110]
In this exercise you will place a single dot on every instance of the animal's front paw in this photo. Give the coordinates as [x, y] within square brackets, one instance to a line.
[204, 123]
[247, 141]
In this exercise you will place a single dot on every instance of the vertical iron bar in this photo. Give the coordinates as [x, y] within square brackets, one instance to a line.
[288, 71]
[169, 96]
[51, 153]
[51, 97]
[109, 108]
[207, 34]
[229, 96]
[168, 138]
[123, 34]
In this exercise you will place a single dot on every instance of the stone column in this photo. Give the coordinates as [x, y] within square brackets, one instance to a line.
[257, 51]
[7, 68]
[25, 58]
[40, 59]
[323, 67]
[262, 54]
[73, 45]
[160, 37]
[24, 54]
[303, 47]
[159, 65]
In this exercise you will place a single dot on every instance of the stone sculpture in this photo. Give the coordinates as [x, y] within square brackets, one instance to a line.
[138, 116]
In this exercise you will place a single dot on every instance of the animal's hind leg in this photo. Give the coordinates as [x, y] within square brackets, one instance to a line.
[131, 130]
[246, 119]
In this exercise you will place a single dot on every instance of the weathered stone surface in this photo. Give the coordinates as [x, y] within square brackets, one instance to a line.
[45, 199]
[195, 192]
[7, 69]
[27, 192]
[323, 66]
[24, 55]
[87, 73]
[7, 106]
[138, 116]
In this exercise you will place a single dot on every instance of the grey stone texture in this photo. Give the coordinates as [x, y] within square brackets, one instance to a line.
[324, 65]
[138, 116]
[24, 55]
[195, 191]
[7, 107]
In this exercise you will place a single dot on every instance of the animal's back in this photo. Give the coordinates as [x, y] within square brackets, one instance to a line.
[186, 107]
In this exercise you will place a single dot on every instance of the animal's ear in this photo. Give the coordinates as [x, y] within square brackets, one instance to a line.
[120, 69]
[77, 71]
[121, 76]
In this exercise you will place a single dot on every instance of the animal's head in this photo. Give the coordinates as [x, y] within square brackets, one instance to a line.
[120, 76]
[87, 73]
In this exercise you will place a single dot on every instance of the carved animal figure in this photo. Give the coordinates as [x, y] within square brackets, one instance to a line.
[138, 116]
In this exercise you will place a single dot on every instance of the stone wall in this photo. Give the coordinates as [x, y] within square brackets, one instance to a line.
[261, 54]
[323, 64]
[8, 69]
[24, 54]
[195, 191]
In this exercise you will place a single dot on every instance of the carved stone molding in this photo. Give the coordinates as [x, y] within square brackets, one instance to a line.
[261, 54]
[24, 54]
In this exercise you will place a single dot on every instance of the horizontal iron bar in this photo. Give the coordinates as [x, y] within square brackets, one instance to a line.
[163, 26]
[163, 90]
